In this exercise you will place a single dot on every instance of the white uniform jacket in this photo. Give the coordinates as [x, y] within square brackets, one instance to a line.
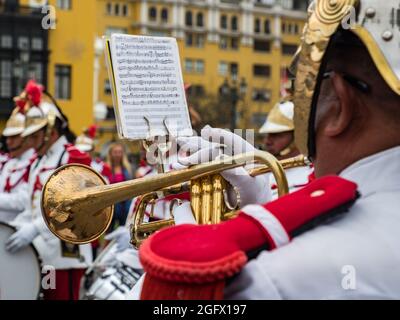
[354, 257]
[14, 186]
[52, 251]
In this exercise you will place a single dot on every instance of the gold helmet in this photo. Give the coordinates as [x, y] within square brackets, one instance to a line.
[38, 117]
[280, 118]
[15, 124]
[375, 23]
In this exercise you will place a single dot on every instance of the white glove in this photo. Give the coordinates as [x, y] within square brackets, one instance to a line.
[252, 190]
[122, 237]
[23, 237]
[183, 214]
[199, 149]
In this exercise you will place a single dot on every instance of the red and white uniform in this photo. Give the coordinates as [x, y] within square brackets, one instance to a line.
[14, 185]
[101, 167]
[47, 244]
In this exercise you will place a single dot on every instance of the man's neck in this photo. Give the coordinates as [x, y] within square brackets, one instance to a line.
[339, 156]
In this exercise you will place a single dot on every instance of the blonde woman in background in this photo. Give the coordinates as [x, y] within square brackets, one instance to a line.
[120, 171]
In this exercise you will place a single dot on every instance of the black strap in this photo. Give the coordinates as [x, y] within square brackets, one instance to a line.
[60, 160]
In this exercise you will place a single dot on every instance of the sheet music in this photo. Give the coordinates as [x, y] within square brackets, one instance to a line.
[149, 86]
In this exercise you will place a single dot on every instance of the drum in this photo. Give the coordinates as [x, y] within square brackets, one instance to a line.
[114, 283]
[20, 272]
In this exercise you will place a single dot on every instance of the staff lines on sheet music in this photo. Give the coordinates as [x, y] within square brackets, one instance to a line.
[148, 82]
[146, 89]
[145, 68]
[150, 75]
[150, 102]
[149, 54]
[153, 109]
[144, 61]
[150, 95]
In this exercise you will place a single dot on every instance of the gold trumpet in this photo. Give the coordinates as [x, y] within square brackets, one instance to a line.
[77, 204]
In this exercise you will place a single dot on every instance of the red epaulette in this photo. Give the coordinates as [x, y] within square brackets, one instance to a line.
[77, 156]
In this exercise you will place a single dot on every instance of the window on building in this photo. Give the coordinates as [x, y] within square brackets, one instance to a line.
[107, 87]
[235, 43]
[200, 20]
[262, 70]
[6, 41]
[117, 9]
[109, 8]
[23, 43]
[289, 49]
[36, 71]
[188, 65]
[262, 45]
[224, 22]
[189, 39]
[257, 25]
[296, 28]
[63, 82]
[199, 40]
[125, 10]
[189, 18]
[234, 23]
[199, 66]
[283, 27]
[222, 68]
[152, 14]
[234, 70]
[64, 4]
[262, 95]
[267, 27]
[37, 44]
[223, 42]
[164, 15]
[290, 28]
[5, 79]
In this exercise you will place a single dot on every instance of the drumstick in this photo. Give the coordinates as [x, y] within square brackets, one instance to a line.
[100, 256]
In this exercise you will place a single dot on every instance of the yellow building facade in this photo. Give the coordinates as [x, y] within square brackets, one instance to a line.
[218, 40]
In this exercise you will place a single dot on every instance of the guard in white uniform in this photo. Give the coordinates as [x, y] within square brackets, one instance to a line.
[278, 133]
[13, 179]
[337, 238]
[47, 128]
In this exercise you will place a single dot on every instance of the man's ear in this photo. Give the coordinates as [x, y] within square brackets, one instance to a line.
[342, 112]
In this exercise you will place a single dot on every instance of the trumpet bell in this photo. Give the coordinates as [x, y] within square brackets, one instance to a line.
[71, 223]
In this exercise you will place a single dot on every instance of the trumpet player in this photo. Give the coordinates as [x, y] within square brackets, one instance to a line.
[336, 238]
[47, 130]
[278, 138]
